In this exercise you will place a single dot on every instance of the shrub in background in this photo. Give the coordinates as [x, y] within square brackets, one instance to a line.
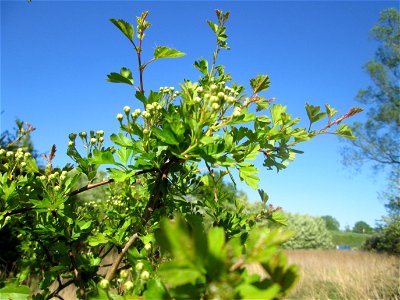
[309, 233]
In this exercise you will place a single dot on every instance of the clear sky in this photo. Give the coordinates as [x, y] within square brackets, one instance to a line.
[55, 57]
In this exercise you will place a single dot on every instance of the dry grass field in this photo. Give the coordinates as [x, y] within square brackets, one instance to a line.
[331, 274]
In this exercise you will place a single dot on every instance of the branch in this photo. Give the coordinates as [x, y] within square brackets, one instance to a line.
[77, 275]
[90, 186]
[111, 272]
[60, 288]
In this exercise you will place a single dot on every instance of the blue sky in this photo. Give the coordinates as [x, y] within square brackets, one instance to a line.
[55, 57]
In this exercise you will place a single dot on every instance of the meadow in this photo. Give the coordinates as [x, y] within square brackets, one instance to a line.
[332, 274]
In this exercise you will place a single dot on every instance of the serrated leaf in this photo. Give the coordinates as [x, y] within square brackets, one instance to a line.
[125, 27]
[202, 66]
[314, 114]
[124, 76]
[260, 83]
[247, 174]
[97, 239]
[165, 135]
[165, 52]
[345, 131]
[330, 111]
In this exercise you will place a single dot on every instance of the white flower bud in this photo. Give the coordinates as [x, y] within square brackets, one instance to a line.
[120, 117]
[221, 95]
[231, 99]
[145, 131]
[128, 285]
[124, 274]
[27, 155]
[64, 173]
[145, 114]
[147, 247]
[93, 140]
[42, 178]
[104, 284]
[206, 96]
[137, 111]
[213, 87]
[57, 188]
[83, 134]
[197, 99]
[127, 109]
[23, 164]
[101, 139]
[10, 153]
[236, 112]
[100, 132]
[2, 151]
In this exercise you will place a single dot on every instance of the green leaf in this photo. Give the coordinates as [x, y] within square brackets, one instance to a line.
[11, 290]
[177, 273]
[121, 140]
[345, 131]
[125, 27]
[155, 290]
[279, 217]
[260, 83]
[124, 76]
[124, 154]
[249, 291]
[202, 66]
[165, 135]
[213, 26]
[165, 52]
[313, 113]
[263, 195]
[102, 157]
[247, 174]
[330, 110]
[97, 239]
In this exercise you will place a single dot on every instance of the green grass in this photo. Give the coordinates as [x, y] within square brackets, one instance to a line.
[354, 240]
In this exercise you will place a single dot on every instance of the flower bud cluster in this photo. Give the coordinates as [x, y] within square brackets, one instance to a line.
[95, 138]
[20, 157]
[216, 95]
[55, 179]
[116, 200]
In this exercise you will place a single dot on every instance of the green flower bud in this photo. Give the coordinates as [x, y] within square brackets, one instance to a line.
[221, 95]
[139, 266]
[27, 155]
[128, 285]
[127, 109]
[23, 164]
[72, 136]
[71, 144]
[83, 134]
[199, 89]
[231, 99]
[137, 111]
[57, 188]
[145, 131]
[101, 139]
[62, 177]
[93, 140]
[2, 152]
[42, 178]
[197, 99]
[206, 96]
[213, 87]
[10, 153]
[146, 114]
[214, 99]
[120, 117]
[215, 106]
[100, 132]
[104, 284]
[124, 274]
[145, 275]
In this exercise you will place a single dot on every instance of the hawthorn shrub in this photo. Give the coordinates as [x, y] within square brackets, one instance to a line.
[169, 243]
[309, 233]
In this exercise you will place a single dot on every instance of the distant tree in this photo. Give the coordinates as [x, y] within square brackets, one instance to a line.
[378, 138]
[362, 227]
[310, 233]
[331, 223]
